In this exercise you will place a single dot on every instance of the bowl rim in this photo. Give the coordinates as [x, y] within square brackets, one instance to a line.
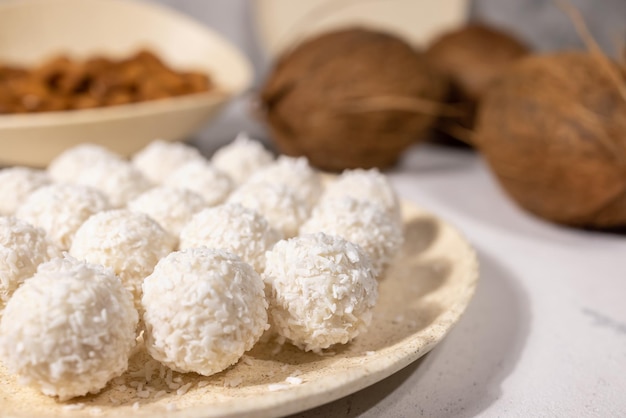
[215, 96]
[116, 112]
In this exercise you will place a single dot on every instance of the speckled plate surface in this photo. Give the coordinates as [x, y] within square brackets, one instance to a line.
[421, 298]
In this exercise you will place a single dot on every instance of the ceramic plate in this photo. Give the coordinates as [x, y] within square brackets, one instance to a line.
[421, 298]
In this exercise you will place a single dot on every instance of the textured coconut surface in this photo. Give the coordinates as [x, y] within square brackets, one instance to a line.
[422, 295]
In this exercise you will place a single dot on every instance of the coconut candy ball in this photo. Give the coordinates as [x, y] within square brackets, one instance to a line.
[119, 181]
[69, 165]
[60, 209]
[321, 290]
[16, 183]
[202, 178]
[68, 330]
[23, 248]
[362, 222]
[369, 185]
[233, 228]
[282, 208]
[131, 243]
[161, 158]
[241, 158]
[171, 208]
[203, 309]
[295, 173]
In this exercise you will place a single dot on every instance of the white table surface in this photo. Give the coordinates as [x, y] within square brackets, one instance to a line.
[545, 334]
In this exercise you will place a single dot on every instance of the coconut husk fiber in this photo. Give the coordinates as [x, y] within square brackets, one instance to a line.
[351, 98]
[472, 57]
[554, 132]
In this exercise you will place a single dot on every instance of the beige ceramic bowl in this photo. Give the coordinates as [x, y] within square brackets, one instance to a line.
[33, 30]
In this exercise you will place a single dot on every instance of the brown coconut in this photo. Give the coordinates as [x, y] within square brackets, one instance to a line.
[554, 132]
[472, 57]
[351, 98]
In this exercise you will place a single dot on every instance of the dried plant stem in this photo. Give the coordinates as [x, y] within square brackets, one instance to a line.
[583, 31]
[460, 133]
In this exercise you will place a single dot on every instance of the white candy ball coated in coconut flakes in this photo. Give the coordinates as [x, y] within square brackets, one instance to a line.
[282, 208]
[68, 165]
[68, 330]
[321, 290]
[60, 209]
[233, 228]
[370, 185]
[131, 243]
[171, 208]
[161, 158]
[361, 222]
[119, 181]
[295, 173]
[241, 158]
[16, 183]
[202, 178]
[23, 248]
[203, 309]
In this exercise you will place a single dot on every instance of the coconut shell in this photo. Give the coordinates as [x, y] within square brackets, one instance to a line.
[472, 57]
[312, 99]
[554, 132]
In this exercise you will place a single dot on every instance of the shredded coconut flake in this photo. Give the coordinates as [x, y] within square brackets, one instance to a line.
[60, 209]
[22, 249]
[241, 158]
[119, 181]
[279, 204]
[73, 406]
[184, 389]
[233, 228]
[203, 309]
[275, 387]
[369, 185]
[171, 208]
[128, 242]
[232, 382]
[294, 173]
[69, 165]
[361, 222]
[293, 380]
[16, 184]
[201, 177]
[69, 329]
[161, 158]
[321, 290]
